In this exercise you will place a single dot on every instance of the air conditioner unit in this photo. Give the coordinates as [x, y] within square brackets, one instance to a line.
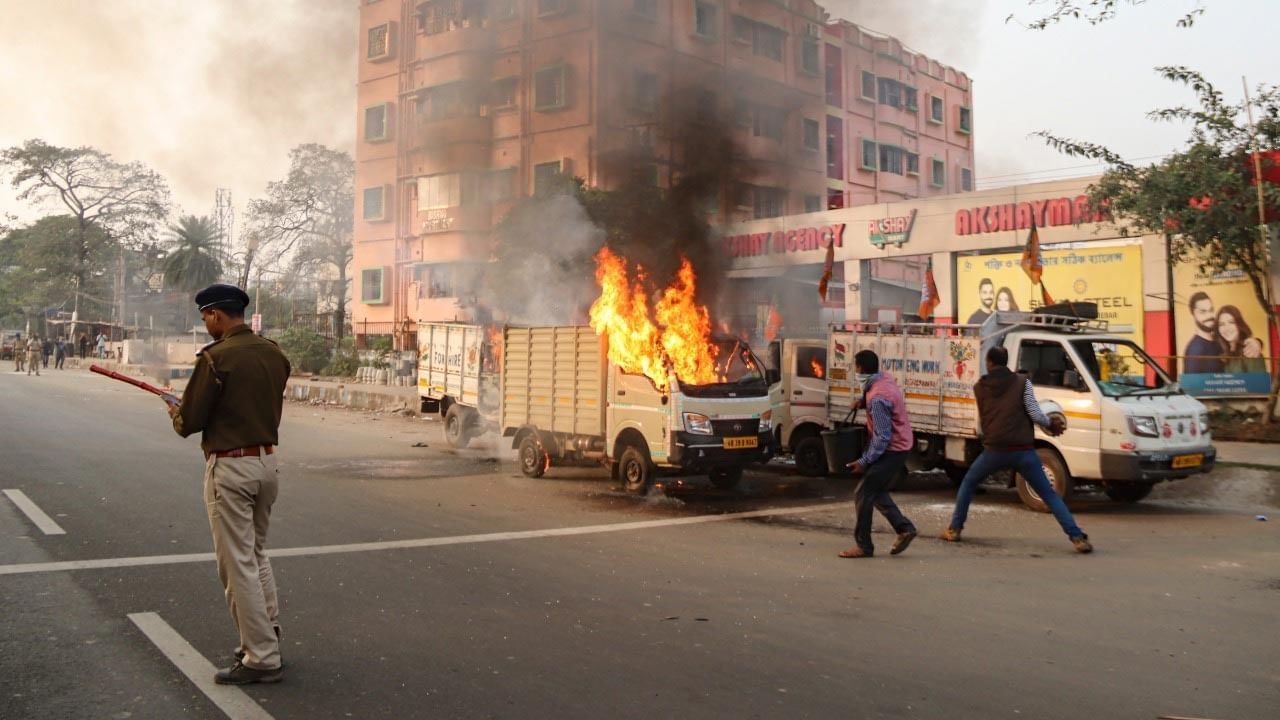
[813, 30]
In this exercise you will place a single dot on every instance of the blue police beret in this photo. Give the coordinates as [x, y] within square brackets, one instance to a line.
[221, 295]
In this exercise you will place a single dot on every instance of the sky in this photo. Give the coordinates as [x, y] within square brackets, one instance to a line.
[214, 93]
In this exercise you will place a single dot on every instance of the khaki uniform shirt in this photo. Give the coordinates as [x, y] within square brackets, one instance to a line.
[236, 393]
[33, 347]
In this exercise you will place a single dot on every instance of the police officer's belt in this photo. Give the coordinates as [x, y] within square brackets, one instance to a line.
[253, 451]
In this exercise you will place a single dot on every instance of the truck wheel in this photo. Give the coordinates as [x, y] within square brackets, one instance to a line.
[1059, 478]
[635, 471]
[1127, 492]
[534, 460]
[811, 457]
[955, 473]
[457, 430]
[725, 478]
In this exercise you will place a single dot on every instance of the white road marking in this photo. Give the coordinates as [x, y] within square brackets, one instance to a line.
[33, 511]
[230, 699]
[66, 565]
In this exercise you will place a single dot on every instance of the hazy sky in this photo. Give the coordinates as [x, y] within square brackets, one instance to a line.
[214, 93]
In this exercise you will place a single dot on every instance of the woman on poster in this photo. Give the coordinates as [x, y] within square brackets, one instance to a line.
[1241, 351]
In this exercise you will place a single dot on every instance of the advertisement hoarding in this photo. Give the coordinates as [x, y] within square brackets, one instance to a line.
[1222, 333]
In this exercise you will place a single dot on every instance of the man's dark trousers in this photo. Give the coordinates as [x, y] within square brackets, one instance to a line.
[872, 493]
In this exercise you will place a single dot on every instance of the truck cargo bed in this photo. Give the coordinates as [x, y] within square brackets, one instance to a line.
[554, 378]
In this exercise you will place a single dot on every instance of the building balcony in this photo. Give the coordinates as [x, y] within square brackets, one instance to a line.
[461, 219]
[475, 39]
[436, 135]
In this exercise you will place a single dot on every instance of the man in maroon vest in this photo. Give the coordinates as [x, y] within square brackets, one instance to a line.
[1007, 408]
[885, 456]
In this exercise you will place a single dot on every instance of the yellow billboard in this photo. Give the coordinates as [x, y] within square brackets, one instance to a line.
[1109, 276]
[1222, 332]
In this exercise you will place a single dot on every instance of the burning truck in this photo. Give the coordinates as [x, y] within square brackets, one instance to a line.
[645, 388]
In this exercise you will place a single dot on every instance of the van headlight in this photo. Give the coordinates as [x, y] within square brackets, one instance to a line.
[1204, 423]
[766, 421]
[698, 424]
[1143, 426]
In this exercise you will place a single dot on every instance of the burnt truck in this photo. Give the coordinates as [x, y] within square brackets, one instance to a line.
[564, 403]
[458, 378]
[1129, 425]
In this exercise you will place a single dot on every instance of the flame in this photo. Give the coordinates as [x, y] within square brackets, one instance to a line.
[495, 340]
[817, 368]
[674, 337]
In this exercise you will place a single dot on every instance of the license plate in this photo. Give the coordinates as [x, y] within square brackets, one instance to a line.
[741, 443]
[1187, 461]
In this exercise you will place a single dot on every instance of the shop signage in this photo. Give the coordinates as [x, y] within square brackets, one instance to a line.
[783, 242]
[436, 220]
[891, 230]
[1019, 216]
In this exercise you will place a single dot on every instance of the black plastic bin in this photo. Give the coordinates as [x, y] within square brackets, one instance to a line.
[843, 445]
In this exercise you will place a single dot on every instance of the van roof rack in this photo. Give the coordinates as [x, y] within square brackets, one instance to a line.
[1046, 321]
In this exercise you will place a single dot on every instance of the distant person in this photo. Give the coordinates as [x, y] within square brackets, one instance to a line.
[59, 353]
[102, 345]
[1007, 408]
[1241, 351]
[1005, 301]
[19, 353]
[46, 350]
[986, 301]
[83, 343]
[33, 354]
[1203, 353]
[885, 457]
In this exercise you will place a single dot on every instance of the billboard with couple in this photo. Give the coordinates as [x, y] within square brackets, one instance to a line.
[1222, 333]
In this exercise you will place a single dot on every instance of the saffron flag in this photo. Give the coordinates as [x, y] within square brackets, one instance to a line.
[928, 293]
[1045, 298]
[828, 267]
[1032, 264]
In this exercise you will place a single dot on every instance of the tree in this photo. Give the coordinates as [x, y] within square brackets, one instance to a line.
[192, 261]
[121, 202]
[1207, 196]
[41, 264]
[1093, 12]
[307, 219]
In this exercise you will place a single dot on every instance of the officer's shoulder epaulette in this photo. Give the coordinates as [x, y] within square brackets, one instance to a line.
[206, 346]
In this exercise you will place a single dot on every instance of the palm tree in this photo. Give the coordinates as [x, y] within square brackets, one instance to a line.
[192, 262]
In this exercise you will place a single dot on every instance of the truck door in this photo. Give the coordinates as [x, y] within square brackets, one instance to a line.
[1056, 375]
[807, 395]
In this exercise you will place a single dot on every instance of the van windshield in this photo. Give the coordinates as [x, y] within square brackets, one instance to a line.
[740, 371]
[1122, 368]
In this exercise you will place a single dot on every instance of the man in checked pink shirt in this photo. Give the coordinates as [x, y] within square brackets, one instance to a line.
[885, 456]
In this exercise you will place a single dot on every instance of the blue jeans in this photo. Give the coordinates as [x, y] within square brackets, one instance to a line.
[1027, 464]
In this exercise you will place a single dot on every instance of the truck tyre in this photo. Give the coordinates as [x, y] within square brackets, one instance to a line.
[635, 471]
[457, 426]
[1059, 478]
[811, 457]
[955, 473]
[534, 460]
[725, 478]
[1127, 492]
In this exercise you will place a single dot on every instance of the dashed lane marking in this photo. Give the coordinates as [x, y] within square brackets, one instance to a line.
[106, 563]
[33, 511]
[230, 699]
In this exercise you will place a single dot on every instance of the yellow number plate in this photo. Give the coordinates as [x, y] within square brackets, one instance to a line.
[1188, 461]
[741, 443]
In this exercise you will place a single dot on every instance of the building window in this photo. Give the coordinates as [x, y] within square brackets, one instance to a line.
[835, 199]
[499, 185]
[504, 93]
[552, 7]
[647, 9]
[379, 42]
[439, 192]
[938, 178]
[892, 92]
[375, 123]
[911, 98]
[765, 40]
[440, 16]
[966, 179]
[913, 164]
[373, 204]
[544, 176]
[810, 134]
[868, 85]
[809, 56]
[835, 148]
[966, 120]
[935, 110]
[549, 88]
[869, 155]
[767, 202]
[502, 9]
[371, 289]
[706, 20]
[644, 91]
[892, 159]
[812, 203]
[834, 75]
[770, 123]
[454, 100]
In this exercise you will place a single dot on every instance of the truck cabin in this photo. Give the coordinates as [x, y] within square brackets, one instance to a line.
[738, 369]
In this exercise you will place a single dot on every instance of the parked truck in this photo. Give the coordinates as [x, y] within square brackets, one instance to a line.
[1129, 426]
[564, 402]
[458, 378]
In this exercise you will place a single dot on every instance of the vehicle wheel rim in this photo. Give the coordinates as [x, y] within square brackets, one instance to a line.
[530, 457]
[632, 473]
[1053, 483]
[451, 428]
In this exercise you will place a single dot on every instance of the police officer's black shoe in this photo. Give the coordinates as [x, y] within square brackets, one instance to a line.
[240, 674]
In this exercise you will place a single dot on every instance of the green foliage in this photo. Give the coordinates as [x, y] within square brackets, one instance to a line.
[307, 351]
[381, 349]
[41, 264]
[345, 360]
[192, 262]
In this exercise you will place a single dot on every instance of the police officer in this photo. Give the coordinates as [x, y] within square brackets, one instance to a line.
[33, 354]
[234, 400]
[19, 353]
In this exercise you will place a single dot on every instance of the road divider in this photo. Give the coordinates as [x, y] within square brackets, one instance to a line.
[33, 511]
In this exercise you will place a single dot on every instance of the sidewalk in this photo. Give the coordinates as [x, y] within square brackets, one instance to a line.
[1248, 453]
[353, 394]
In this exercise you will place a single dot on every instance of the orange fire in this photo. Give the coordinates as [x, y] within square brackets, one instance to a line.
[817, 368]
[675, 335]
[495, 340]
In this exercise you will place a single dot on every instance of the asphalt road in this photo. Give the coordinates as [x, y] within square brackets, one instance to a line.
[561, 598]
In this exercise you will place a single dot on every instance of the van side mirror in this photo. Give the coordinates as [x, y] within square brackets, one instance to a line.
[1072, 380]
[773, 376]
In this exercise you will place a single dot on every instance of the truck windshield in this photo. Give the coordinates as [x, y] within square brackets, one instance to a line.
[1122, 368]
[739, 369]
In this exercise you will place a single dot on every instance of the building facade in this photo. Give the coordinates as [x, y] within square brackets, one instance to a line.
[465, 106]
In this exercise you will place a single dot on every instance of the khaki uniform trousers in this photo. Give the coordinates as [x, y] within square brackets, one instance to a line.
[238, 494]
[33, 362]
[19, 358]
